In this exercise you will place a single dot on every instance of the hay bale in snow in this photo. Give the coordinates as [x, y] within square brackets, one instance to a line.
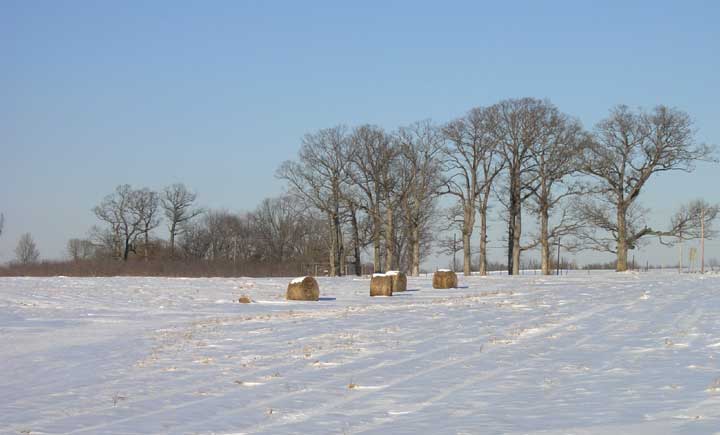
[381, 285]
[399, 280]
[444, 278]
[245, 299]
[304, 288]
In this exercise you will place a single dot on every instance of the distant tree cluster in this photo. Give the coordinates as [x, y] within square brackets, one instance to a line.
[278, 232]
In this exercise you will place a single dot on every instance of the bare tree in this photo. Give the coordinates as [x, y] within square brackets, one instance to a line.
[278, 225]
[194, 239]
[450, 246]
[125, 212]
[358, 228]
[420, 146]
[555, 159]
[693, 221]
[373, 157]
[223, 229]
[178, 203]
[26, 251]
[319, 178]
[2, 223]
[518, 125]
[471, 164]
[628, 148]
[147, 204]
[395, 181]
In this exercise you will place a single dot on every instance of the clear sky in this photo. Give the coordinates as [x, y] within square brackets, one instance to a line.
[217, 94]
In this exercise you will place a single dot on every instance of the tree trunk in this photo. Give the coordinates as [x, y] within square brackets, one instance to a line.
[622, 246]
[483, 232]
[511, 236]
[467, 254]
[516, 244]
[544, 240]
[333, 245]
[512, 209]
[340, 254]
[356, 242]
[389, 241]
[376, 241]
[126, 251]
[415, 270]
[467, 230]
[173, 228]
[146, 252]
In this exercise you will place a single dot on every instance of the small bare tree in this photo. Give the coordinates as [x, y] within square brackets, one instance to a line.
[693, 221]
[147, 204]
[628, 148]
[126, 212]
[178, 203]
[2, 223]
[26, 251]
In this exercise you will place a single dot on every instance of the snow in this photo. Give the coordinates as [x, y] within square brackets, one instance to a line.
[598, 354]
[298, 280]
[379, 274]
[392, 272]
[444, 270]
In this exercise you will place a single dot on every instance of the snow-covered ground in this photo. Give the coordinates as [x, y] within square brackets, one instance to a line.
[579, 354]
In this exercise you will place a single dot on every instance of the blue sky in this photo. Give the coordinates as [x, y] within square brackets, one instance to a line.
[217, 94]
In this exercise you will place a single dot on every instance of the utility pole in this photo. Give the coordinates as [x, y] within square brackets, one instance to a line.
[702, 239]
[681, 253]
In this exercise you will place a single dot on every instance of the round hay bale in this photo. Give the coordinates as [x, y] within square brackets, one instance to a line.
[245, 299]
[381, 285]
[399, 280]
[304, 288]
[444, 278]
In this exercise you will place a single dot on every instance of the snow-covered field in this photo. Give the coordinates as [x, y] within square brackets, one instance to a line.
[578, 354]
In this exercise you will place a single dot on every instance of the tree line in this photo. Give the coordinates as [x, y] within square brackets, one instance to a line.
[392, 195]
[581, 186]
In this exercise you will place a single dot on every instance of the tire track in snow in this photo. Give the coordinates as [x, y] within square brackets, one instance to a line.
[452, 330]
[372, 309]
[416, 356]
[91, 406]
[321, 410]
[468, 382]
